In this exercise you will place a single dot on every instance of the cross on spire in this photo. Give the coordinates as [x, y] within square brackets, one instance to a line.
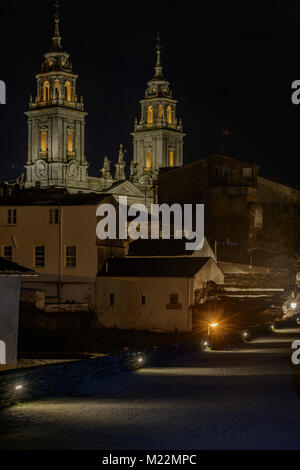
[158, 40]
[56, 6]
[56, 38]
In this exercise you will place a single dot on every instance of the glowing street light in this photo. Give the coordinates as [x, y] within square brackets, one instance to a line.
[210, 326]
[294, 305]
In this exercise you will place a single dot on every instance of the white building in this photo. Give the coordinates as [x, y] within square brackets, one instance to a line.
[154, 294]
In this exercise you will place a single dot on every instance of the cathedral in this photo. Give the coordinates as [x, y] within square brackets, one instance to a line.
[56, 129]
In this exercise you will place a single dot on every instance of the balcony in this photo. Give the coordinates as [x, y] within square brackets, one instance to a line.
[38, 104]
[143, 126]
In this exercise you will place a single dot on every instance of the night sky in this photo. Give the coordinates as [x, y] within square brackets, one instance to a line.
[230, 64]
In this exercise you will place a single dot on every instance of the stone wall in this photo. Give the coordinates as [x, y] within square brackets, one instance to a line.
[65, 378]
[32, 297]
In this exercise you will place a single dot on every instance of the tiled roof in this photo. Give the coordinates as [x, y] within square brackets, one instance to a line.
[50, 197]
[153, 267]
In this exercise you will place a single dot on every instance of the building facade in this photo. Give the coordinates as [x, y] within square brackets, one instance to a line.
[54, 233]
[56, 125]
[154, 294]
[245, 214]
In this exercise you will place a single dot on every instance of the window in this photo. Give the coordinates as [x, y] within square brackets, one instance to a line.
[68, 91]
[217, 171]
[70, 257]
[148, 159]
[160, 112]
[7, 252]
[143, 299]
[39, 256]
[54, 216]
[226, 170]
[174, 299]
[169, 114]
[258, 218]
[12, 216]
[173, 302]
[247, 172]
[112, 299]
[56, 89]
[46, 91]
[44, 141]
[70, 141]
[150, 115]
[171, 158]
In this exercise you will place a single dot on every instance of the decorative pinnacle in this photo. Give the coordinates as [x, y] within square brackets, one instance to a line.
[56, 38]
[158, 40]
[158, 67]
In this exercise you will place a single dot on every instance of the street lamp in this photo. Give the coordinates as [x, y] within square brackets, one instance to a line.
[210, 326]
[294, 305]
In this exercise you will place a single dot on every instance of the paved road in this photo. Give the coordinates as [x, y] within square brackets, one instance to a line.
[234, 399]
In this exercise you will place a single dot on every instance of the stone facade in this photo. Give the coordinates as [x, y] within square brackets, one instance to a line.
[244, 213]
[56, 121]
[56, 132]
[157, 135]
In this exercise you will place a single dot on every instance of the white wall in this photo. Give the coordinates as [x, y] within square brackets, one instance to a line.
[128, 311]
[9, 316]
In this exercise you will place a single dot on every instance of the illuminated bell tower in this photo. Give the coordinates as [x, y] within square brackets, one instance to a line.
[56, 121]
[157, 136]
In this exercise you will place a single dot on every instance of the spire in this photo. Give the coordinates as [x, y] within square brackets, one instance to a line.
[158, 67]
[56, 46]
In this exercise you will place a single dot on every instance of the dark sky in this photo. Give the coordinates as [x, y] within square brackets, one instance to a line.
[230, 64]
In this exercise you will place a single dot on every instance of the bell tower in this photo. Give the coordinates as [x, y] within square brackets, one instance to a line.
[56, 122]
[157, 136]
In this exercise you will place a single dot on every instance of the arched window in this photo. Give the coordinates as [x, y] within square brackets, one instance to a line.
[160, 112]
[148, 159]
[70, 141]
[46, 91]
[56, 89]
[169, 114]
[68, 91]
[171, 157]
[150, 115]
